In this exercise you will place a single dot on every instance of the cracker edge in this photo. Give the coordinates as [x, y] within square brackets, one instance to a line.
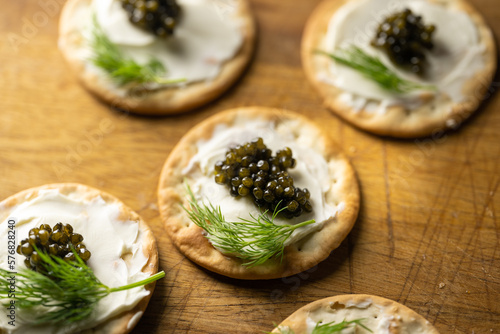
[397, 122]
[119, 323]
[296, 321]
[165, 101]
[188, 237]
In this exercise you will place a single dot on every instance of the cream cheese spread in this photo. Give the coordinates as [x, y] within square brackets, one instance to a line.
[455, 58]
[108, 239]
[205, 37]
[311, 172]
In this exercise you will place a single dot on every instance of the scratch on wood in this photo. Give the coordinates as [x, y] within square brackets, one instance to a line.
[473, 235]
[491, 195]
[351, 266]
[201, 309]
[491, 211]
[439, 194]
[176, 265]
[388, 203]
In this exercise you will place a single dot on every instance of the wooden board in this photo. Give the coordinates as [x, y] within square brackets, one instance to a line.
[427, 235]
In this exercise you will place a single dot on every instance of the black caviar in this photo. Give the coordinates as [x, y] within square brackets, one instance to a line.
[157, 16]
[405, 39]
[251, 170]
[55, 241]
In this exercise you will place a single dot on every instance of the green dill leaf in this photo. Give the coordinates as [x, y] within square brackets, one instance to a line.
[69, 292]
[332, 327]
[254, 240]
[329, 327]
[373, 69]
[120, 68]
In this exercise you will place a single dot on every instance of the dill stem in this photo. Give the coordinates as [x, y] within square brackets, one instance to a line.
[145, 281]
[307, 222]
[163, 81]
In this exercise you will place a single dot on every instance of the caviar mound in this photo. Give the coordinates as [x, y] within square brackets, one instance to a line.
[405, 39]
[157, 16]
[57, 241]
[250, 169]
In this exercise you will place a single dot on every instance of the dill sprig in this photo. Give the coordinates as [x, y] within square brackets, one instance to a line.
[254, 240]
[372, 68]
[120, 68]
[68, 293]
[332, 327]
[329, 327]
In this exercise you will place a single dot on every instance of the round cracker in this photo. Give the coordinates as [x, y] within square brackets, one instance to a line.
[433, 116]
[124, 322]
[298, 257]
[170, 100]
[400, 318]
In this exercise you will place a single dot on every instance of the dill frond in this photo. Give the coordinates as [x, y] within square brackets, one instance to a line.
[121, 69]
[253, 240]
[330, 327]
[69, 292]
[373, 69]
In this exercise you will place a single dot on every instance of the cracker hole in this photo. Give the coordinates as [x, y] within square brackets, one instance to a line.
[337, 306]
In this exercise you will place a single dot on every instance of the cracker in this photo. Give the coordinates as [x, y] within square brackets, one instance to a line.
[124, 322]
[298, 257]
[170, 100]
[375, 311]
[433, 116]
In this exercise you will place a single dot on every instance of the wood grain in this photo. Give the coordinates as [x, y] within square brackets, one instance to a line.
[427, 236]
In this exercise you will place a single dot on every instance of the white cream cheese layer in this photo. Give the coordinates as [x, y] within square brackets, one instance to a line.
[379, 319]
[107, 238]
[206, 36]
[311, 172]
[456, 57]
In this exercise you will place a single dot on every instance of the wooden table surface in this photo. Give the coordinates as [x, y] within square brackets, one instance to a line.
[427, 235]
